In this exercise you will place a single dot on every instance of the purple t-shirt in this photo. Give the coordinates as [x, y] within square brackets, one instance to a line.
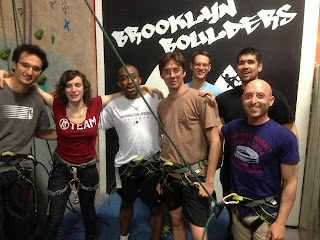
[256, 154]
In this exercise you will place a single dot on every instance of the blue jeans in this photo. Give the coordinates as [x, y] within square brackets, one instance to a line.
[58, 179]
[14, 205]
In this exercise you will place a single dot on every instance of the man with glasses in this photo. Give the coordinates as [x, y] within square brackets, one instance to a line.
[201, 66]
[22, 116]
[190, 121]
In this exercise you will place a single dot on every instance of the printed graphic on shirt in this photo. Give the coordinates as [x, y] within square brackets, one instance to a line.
[246, 154]
[17, 112]
[249, 151]
[88, 123]
[135, 117]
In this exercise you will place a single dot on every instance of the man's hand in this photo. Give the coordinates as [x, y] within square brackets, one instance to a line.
[202, 192]
[276, 231]
[210, 97]
[151, 90]
[159, 189]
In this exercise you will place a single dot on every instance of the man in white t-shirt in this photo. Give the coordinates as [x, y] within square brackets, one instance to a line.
[137, 161]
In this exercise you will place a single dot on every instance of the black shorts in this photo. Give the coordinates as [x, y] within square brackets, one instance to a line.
[140, 181]
[179, 193]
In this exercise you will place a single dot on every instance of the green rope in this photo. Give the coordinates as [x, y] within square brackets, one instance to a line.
[15, 25]
[137, 87]
[160, 124]
[16, 22]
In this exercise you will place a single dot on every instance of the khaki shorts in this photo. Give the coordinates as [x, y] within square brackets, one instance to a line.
[241, 232]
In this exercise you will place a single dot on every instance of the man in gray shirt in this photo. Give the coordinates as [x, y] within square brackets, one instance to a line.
[22, 116]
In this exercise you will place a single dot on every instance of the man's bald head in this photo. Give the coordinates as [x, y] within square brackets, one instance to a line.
[259, 83]
[256, 99]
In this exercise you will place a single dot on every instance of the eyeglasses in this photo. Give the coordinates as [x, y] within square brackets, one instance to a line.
[168, 71]
[28, 66]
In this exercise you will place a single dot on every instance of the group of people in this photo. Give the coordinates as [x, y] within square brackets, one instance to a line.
[260, 162]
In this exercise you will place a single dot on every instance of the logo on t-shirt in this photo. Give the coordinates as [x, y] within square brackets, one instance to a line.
[246, 154]
[182, 117]
[88, 123]
[17, 112]
[64, 124]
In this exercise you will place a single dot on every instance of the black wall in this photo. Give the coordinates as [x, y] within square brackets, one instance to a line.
[280, 47]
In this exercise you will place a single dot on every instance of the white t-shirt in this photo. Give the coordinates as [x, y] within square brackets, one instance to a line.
[135, 125]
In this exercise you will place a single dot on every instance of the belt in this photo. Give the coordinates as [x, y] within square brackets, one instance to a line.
[143, 162]
[10, 159]
[60, 163]
[169, 167]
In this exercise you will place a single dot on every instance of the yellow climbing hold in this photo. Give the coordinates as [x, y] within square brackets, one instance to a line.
[38, 34]
[4, 53]
[42, 80]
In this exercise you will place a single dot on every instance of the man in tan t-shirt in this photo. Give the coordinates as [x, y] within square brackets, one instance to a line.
[190, 121]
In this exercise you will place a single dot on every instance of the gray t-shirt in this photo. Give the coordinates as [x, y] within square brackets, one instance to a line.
[21, 114]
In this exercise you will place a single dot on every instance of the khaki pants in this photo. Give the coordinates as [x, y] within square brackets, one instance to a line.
[241, 232]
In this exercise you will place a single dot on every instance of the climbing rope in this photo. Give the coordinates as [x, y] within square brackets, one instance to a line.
[30, 21]
[137, 87]
[160, 124]
[16, 22]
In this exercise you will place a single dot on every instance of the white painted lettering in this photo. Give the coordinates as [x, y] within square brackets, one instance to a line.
[287, 17]
[162, 27]
[147, 31]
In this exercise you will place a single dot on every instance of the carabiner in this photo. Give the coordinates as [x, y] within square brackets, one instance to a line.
[226, 200]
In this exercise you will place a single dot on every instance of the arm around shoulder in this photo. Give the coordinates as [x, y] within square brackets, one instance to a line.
[4, 74]
[47, 97]
[46, 134]
[107, 98]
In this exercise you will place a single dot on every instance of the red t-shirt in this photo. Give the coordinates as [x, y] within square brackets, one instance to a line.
[77, 141]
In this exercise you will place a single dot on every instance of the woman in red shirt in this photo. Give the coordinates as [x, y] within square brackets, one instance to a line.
[76, 115]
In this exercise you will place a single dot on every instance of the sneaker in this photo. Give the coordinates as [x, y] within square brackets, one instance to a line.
[166, 232]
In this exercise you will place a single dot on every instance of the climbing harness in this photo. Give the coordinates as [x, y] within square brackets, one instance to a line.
[152, 164]
[9, 159]
[256, 205]
[184, 172]
[170, 167]
[74, 184]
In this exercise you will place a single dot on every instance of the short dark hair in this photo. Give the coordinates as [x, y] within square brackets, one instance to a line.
[68, 76]
[127, 65]
[31, 49]
[172, 56]
[201, 52]
[251, 51]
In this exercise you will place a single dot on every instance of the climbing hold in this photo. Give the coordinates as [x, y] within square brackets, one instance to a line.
[52, 38]
[42, 80]
[38, 34]
[4, 53]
